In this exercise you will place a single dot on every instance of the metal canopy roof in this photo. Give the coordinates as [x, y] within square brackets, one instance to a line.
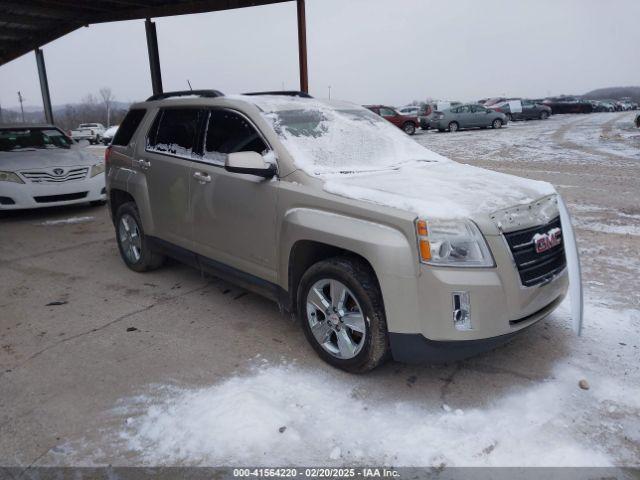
[28, 24]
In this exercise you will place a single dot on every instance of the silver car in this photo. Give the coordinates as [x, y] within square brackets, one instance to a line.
[40, 167]
[379, 246]
[467, 116]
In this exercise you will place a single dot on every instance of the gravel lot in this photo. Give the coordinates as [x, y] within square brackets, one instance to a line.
[101, 365]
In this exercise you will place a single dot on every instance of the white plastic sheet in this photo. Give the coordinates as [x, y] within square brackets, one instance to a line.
[515, 106]
[573, 264]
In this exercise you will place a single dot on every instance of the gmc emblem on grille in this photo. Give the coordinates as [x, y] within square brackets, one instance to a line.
[546, 241]
[58, 171]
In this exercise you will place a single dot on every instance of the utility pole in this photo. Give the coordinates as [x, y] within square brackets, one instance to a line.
[329, 92]
[21, 99]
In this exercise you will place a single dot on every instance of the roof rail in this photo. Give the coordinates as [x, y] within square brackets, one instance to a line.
[287, 93]
[186, 93]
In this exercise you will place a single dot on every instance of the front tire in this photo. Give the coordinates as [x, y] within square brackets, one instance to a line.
[497, 123]
[454, 127]
[134, 247]
[341, 310]
[544, 115]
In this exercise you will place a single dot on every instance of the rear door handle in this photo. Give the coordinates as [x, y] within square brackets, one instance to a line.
[202, 177]
[144, 164]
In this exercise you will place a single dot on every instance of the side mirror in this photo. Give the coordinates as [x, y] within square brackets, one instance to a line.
[249, 163]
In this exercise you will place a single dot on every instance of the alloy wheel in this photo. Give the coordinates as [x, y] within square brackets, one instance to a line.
[129, 236]
[336, 319]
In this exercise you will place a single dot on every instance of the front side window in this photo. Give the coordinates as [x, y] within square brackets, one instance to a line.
[229, 132]
[175, 132]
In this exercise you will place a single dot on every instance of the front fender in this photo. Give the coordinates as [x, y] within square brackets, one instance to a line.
[391, 254]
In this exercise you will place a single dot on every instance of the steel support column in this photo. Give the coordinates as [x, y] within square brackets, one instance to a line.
[154, 56]
[44, 86]
[302, 46]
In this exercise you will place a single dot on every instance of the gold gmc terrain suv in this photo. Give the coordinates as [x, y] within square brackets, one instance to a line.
[380, 247]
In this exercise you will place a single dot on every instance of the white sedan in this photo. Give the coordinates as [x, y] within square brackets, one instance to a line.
[40, 166]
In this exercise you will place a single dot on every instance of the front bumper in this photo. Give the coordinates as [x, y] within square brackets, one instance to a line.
[17, 196]
[416, 348]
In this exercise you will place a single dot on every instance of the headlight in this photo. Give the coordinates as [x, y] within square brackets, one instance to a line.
[456, 243]
[10, 177]
[97, 169]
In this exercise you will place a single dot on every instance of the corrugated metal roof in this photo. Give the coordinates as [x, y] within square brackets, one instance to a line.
[29, 24]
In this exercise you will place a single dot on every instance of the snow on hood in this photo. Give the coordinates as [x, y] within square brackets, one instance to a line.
[444, 189]
[45, 158]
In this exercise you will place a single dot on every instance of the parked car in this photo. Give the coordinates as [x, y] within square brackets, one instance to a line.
[638, 121]
[409, 110]
[40, 166]
[522, 110]
[466, 116]
[88, 131]
[408, 123]
[379, 246]
[568, 105]
[430, 109]
[108, 134]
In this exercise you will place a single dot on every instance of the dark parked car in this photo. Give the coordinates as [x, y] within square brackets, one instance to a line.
[529, 110]
[638, 121]
[568, 105]
[408, 123]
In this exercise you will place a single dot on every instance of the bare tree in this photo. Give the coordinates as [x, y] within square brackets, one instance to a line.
[107, 99]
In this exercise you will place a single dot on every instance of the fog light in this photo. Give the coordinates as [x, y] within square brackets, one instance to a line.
[461, 311]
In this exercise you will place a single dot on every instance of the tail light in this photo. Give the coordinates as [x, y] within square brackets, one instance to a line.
[107, 155]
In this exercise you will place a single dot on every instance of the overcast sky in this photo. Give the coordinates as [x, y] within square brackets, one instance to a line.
[369, 51]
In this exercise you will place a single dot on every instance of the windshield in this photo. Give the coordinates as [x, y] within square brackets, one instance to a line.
[12, 140]
[323, 139]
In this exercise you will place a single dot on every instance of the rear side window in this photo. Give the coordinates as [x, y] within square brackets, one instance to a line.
[229, 132]
[175, 131]
[128, 127]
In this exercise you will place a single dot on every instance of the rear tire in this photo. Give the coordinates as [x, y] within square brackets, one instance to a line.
[509, 117]
[409, 128]
[497, 123]
[454, 127]
[354, 351]
[134, 247]
[544, 115]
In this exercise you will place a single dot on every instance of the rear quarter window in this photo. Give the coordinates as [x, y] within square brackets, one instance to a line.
[128, 127]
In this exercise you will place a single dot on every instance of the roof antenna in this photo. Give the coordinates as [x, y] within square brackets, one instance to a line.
[189, 83]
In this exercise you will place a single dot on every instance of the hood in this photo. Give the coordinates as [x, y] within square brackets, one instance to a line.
[442, 190]
[46, 158]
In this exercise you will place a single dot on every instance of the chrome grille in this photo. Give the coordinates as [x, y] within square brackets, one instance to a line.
[535, 268]
[48, 176]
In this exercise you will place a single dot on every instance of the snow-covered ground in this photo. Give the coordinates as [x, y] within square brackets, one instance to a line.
[287, 415]
[509, 407]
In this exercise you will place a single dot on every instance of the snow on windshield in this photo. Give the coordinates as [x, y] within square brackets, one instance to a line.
[330, 137]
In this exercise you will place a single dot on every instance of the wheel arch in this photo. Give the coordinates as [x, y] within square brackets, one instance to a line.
[118, 197]
[309, 236]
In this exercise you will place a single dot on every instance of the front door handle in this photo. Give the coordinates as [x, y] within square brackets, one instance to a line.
[202, 177]
[144, 164]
